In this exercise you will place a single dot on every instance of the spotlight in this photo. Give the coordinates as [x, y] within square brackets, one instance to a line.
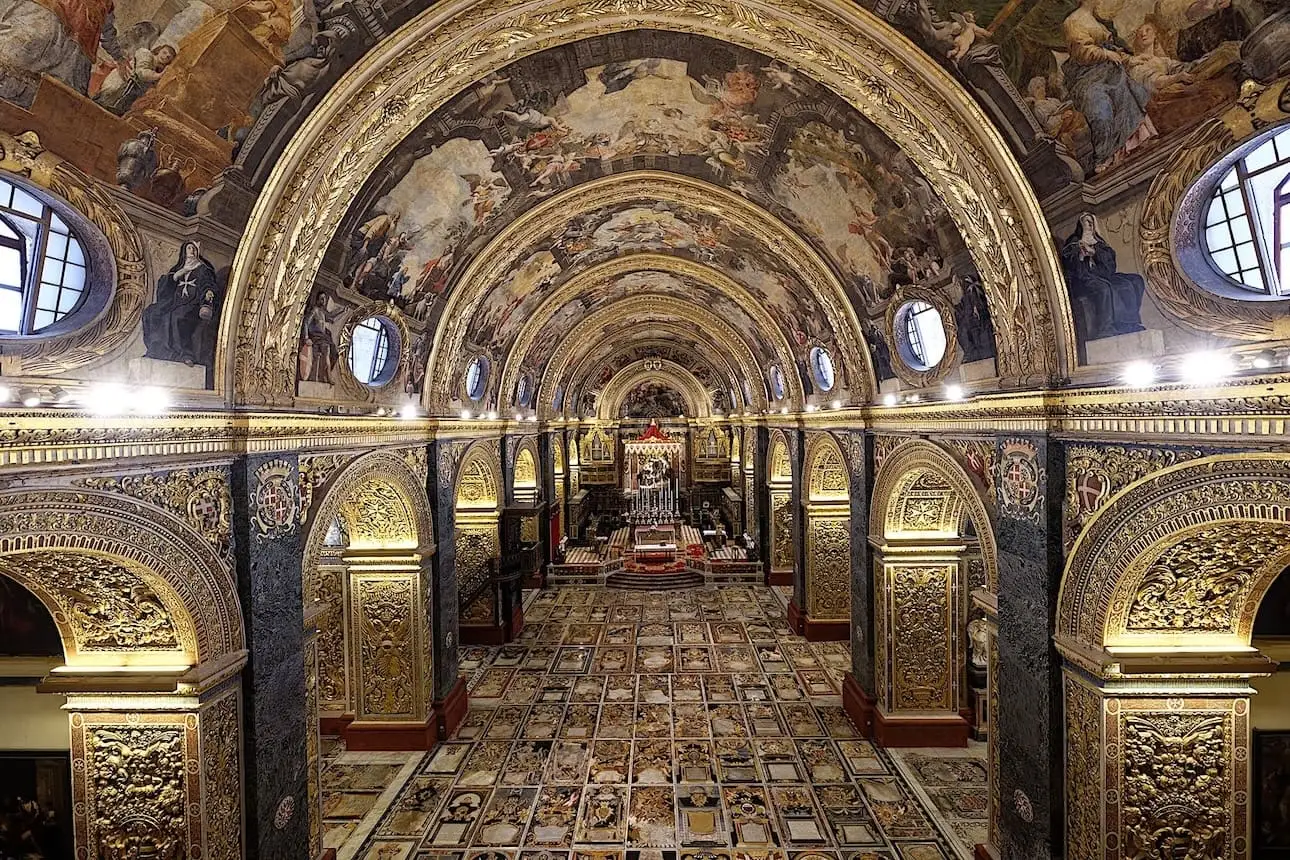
[1263, 360]
[783, 410]
[837, 404]
[492, 416]
[1201, 368]
[151, 401]
[381, 412]
[408, 412]
[954, 392]
[889, 399]
[465, 415]
[913, 398]
[1139, 374]
[519, 416]
[533, 417]
[106, 398]
[62, 396]
[30, 397]
[6, 394]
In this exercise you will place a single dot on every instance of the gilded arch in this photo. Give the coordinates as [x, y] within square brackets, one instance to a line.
[1181, 557]
[477, 513]
[779, 479]
[525, 476]
[126, 581]
[609, 403]
[947, 493]
[827, 506]
[845, 48]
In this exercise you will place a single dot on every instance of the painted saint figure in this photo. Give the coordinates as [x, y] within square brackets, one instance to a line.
[181, 323]
[1107, 302]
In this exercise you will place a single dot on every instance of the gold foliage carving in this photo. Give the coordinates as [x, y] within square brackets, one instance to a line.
[781, 465]
[184, 573]
[222, 774]
[828, 573]
[921, 606]
[105, 604]
[783, 556]
[1128, 535]
[377, 514]
[829, 477]
[136, 794]
[476, 547]
[102, 338]
[1201, 582]
[477, 481]
[200, 497]
[315, 471]
[1095, 473]
[331, 645]
[847, 51]
[1177, 789]
[1084, 748]
[385, 609]
[526, 468]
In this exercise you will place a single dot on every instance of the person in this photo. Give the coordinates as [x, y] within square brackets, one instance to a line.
[181, 323]
[133, 77]
[1113, 299]
[1113, 104]
[318, 349]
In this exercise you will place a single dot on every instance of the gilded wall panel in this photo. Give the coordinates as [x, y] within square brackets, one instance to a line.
[200, 497]
[923, 636]
[1084, 751]
[332, 641]
[1095, 473]
[128, 776]
[385, 609]
[313, 743]
[477, 545]
[221, 751]
[828, 573]
[781, 527]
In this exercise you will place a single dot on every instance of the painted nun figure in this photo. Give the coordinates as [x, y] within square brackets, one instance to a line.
[1111, 300]
[181, 323]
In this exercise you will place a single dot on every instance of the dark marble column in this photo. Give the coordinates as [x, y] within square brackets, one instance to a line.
[761, 495]
[267, 541]
[449, 689]
[546, 487]
[858, 690]
[1029, 728]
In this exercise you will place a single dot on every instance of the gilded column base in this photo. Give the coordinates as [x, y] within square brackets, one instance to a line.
[858, 705]
[832, 630]
[390, 736]
[896, 730]
[451, 709]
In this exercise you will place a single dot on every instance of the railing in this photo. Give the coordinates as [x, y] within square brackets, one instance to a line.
[525, 562]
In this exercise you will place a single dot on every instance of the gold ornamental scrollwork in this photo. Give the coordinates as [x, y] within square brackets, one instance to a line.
[921, 601]
[200, 496]
[385, 613]
[442, 51]
[112, 329]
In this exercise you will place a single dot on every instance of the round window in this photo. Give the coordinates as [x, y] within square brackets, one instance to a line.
[920, 333]
[374, 351]
[477, 378]
[1245, 234]
[776, 382]
[822, 368]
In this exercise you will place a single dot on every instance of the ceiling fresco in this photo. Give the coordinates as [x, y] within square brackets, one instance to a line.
[664, 102]
[603, 361]
[652, 400]
[1108, 80]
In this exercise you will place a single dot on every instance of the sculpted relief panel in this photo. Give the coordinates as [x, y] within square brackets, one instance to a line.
[829, 574]
[385, 609]
[921, 608]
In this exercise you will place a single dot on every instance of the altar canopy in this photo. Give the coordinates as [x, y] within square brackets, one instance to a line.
[654, 470]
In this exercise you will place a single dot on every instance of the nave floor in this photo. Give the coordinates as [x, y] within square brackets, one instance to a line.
[689, 725]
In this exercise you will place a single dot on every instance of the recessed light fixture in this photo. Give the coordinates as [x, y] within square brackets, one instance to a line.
[492, 416]
[30, 397]
[408, 412]
[106, 398]
[465, 415]
[889, 399]
[954, 392]
[1263, 360]
[1201, 368]
[1139, 374]
[151, 401]
[837, 404]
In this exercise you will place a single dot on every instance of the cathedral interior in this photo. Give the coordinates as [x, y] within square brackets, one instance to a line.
[644, 429]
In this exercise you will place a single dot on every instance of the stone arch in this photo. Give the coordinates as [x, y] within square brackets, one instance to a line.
[1181, 557]
[844, 47]
[779, 483]
[374, 506]
[477, 531]
[922, 488]
[1154, 619]
[922, 502]
[524, 478]
[128, 583]
[827, 508]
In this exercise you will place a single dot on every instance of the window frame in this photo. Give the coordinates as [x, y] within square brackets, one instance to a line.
[34, 266]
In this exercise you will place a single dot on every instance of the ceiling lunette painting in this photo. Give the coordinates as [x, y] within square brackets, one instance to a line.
[847, 51]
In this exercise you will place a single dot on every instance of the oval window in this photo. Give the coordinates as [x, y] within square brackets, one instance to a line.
[1245, 232]
[822, 368]
[373, 351]
[557, 402]
[476, 378]
[920, 334]
[776, 382]
[524, 391]
[45, 272]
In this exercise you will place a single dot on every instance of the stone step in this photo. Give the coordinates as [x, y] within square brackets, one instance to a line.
[632, 581]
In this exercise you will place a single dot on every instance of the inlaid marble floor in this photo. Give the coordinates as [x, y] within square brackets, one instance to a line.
[690, 725]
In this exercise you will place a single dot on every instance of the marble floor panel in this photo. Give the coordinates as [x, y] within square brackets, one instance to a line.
[687, 725]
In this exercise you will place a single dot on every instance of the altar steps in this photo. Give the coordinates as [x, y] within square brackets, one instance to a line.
[646, 581]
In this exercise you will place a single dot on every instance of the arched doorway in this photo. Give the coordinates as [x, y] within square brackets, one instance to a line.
[143, 604]
[779, 492]
[365, 567]
[476, 524]
[1155, 617]
[928, 524]
[827, 512]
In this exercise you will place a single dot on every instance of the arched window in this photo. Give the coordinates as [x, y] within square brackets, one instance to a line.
[1246, 232]
[44, 275]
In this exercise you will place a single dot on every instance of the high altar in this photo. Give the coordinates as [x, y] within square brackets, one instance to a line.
[653, 474]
